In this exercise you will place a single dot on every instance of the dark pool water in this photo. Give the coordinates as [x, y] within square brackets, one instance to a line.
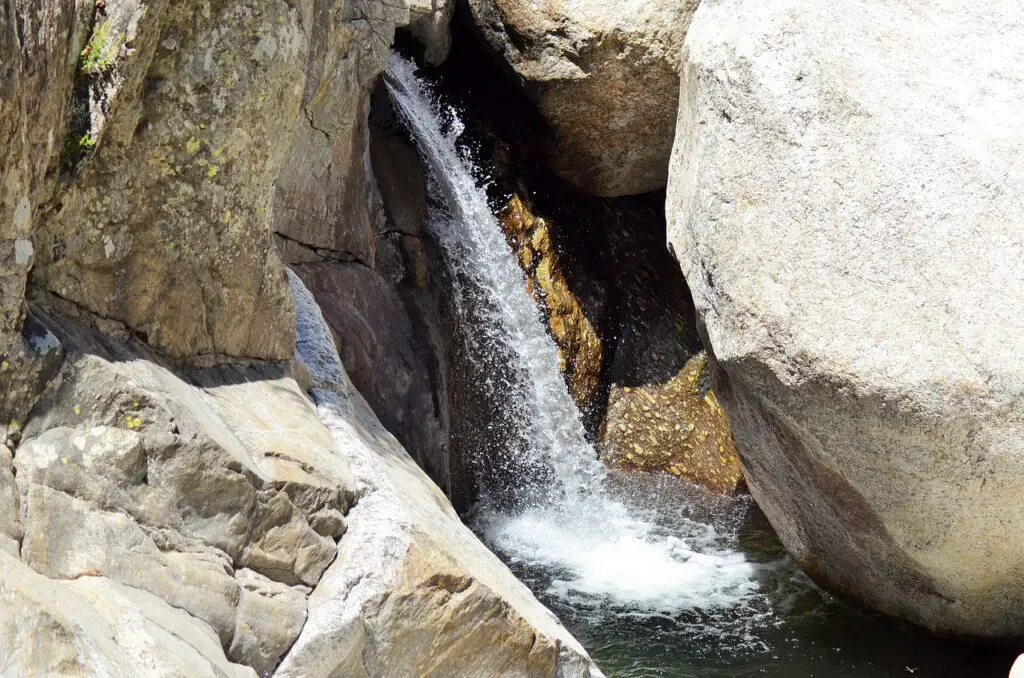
[787, 629]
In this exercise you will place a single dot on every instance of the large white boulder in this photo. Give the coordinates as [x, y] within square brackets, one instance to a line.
[846, 200]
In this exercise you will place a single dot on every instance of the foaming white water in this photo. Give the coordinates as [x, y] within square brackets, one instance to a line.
[625, 561]
[594, 545]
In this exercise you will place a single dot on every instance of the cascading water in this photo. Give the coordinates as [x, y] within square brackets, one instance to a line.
[572, 522]
[664, 561]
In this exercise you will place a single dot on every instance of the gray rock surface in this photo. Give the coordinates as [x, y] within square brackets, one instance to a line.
[35, 90]
[604, 75]
[98, 627]
[268, 620]
[429, 23]
[844, 203]
[10, 525]
[379, 336]
[325, 196]
[170, 486]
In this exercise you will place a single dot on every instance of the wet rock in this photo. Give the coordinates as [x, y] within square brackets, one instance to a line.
[838, 204]
[604, 75]
[379, 336]
[675, 427]
[580, 351]
[412, 590]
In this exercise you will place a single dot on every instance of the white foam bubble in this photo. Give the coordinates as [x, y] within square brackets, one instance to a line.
[601, 551]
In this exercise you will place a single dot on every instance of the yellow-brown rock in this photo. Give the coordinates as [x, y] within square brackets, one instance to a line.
[676, 427]
[580, 352]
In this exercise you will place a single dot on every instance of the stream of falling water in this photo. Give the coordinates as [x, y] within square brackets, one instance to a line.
[676, 565]
[600, 544]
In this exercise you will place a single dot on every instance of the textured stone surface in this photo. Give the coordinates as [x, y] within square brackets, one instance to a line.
[96, 626]
[842, 204]
[10, 525]
[580, 351]
[379, 337]
[36, 79]
[267, 622]
[676, 426]
[65, 538]
[428, 23]
[35, 90]
[165, 228]
[325, 196]
[604, 75]
[169, 486]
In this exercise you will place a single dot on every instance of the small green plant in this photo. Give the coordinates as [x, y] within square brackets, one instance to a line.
[101, 51]
[76, 148]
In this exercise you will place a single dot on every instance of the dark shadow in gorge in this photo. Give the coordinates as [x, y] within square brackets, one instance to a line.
[612, 251]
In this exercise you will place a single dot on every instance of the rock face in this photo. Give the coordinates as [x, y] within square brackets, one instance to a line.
[604, 75]
[428, 23]
[35, 91]
[841, 203]
[202, 523]
[677, 427]
[580, 351]
[166, 226]
[96, 626]
[326, 197]
[379, 338]
[172, 487]
[358, 245]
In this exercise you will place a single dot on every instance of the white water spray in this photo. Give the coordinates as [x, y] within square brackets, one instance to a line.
[598, 547]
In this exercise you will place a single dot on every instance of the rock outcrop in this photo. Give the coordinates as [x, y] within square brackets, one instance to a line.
[619, 311]
[175, 485]
[36, 81]
[604, 75]
[676, 427]
[94, 625]
[580, 351]
[210, 518]
[356, 243]
[165, 225]
[842, 202]
[429, 24]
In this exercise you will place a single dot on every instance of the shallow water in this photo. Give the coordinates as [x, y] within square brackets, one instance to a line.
[654, 576]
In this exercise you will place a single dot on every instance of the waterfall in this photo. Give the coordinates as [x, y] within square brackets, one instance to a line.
[594, 543]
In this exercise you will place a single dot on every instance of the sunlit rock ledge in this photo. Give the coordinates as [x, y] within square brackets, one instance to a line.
[218, 523]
